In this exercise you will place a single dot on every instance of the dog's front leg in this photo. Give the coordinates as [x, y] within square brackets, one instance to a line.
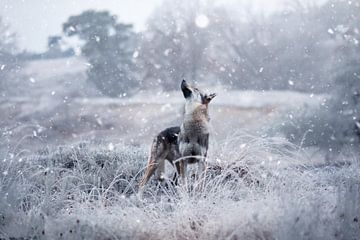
[160, 170]
[183, 169]
[201, 174]
[177, 173]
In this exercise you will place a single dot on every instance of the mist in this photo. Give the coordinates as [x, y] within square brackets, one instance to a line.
[86, 87]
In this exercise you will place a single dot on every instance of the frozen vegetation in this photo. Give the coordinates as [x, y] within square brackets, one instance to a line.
[256, 188]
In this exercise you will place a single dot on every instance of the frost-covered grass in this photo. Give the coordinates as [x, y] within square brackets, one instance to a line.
[255, 188]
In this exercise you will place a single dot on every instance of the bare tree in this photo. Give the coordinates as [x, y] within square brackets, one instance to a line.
[285, 50]
[173, 46]
[336, 123]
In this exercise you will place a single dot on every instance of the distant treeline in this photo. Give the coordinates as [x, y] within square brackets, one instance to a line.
[303, 46]
[299, 48]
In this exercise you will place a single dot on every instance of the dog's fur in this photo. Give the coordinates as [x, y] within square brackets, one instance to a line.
[185, 144]
[194, 131]
[164, 146]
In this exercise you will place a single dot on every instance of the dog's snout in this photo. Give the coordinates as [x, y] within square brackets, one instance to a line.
[185, 89]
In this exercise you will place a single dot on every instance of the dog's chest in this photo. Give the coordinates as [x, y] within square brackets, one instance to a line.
[192, 126]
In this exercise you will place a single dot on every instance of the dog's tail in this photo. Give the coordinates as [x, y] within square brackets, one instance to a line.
[152, 164]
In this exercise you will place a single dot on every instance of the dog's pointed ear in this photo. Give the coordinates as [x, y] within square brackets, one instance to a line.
[185, 88]
[207, 98]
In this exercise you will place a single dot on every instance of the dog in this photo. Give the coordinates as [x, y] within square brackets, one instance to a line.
[194, 131]
[186, 144]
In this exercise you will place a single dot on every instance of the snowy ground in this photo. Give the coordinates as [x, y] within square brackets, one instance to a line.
[71, 161]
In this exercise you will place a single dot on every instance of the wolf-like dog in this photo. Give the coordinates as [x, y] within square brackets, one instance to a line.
[194, 131]
[186, 144]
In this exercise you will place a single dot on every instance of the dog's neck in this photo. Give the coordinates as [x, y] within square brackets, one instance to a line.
[196, 112]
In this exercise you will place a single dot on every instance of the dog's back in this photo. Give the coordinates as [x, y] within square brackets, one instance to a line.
[169, 135]
[168, 139]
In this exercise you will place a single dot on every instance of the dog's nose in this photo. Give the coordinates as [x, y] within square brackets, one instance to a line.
[184, 84]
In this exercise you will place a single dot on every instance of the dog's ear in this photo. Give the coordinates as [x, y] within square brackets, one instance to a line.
[185, 88]
[207, 98]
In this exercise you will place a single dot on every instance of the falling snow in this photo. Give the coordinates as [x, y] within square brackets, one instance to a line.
[85, 94]
[202, 21]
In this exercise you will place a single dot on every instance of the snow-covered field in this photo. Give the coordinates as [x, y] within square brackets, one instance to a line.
[71, 161]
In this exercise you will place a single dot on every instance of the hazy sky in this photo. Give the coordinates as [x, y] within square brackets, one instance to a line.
[35, 20]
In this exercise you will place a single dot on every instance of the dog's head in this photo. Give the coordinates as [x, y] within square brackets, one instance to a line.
[193, 94]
